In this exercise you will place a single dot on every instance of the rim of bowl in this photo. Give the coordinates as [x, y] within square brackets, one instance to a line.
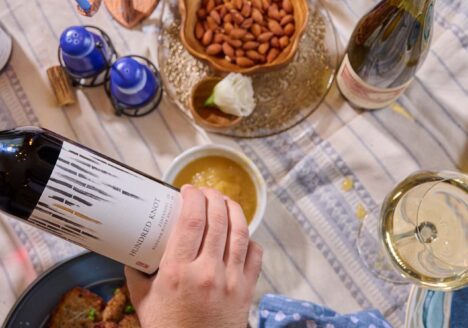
[197, 152]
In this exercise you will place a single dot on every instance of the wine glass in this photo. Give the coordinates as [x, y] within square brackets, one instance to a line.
[420, 234]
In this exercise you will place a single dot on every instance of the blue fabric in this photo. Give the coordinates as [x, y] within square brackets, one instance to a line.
[459, 313]
[280, 312]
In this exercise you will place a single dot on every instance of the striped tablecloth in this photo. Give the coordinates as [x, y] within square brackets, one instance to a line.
[310, 228]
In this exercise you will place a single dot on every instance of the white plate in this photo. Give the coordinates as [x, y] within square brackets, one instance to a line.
[6, 45]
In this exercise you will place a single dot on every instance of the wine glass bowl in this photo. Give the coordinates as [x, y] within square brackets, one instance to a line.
[424, 229]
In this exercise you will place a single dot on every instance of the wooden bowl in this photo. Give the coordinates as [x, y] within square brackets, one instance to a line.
[209, 117]
[188, 12]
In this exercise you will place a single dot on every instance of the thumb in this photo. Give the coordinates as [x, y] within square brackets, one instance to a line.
[138, 285]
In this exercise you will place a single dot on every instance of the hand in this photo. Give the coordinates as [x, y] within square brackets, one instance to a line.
[208, 272]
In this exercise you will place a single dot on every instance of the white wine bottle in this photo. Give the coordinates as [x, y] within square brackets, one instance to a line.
[386, 49]
[85, 197]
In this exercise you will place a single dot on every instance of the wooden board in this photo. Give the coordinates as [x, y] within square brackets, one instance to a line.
[130, 13]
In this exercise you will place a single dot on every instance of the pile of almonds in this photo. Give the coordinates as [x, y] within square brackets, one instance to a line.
[245, 32]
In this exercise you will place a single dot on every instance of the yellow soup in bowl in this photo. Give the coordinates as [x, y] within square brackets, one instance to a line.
[224, 175]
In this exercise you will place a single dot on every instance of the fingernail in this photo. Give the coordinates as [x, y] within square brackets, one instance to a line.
[185, 187]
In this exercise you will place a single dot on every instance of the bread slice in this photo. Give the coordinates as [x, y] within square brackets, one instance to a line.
[114, 310]
[79, 308]
[130, 321]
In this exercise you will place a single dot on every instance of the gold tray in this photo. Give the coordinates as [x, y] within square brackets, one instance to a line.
[285, 97]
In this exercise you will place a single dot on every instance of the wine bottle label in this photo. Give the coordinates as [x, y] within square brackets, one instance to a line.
[107, 208]
[362, 94]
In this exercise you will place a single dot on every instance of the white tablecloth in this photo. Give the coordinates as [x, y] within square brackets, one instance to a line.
[310, 228]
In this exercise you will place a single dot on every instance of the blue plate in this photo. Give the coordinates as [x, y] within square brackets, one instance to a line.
[434, 309]
[89, 270]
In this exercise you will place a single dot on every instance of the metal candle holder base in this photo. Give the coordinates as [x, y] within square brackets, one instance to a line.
[145, 109]
[97, 79]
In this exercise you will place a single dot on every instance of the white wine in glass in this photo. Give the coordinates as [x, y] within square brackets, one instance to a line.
[424, 229]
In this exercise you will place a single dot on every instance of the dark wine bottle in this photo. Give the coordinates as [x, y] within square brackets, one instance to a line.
[85, 197]
[386, 49]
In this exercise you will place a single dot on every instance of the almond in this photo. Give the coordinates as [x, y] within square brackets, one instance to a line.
[238, 4]
[250, 45]
[234, 43]
[249, 37]
[218, 38]
[214, 49]
[286, 20]
[275, 27]
[228, 50]
[263, 48]
[237, 33]
[228, 27]
[256, 30]
[207, 37]
[244, 62]
[257, 4]
[246, 9]
[223, 11]
[252, 54]
[266, 4]
[227, 18]
[237, 17]
[284, 42]
[272, 55]
[215, 15]
[201, 13]
[246, 24]
[264, 37]
[257, 16]
[273, 12]
[229, 5]
[289, 29]
[282, 13]
[210, 5]
[199, 31]
[212, 25]
[240, 53]
[287, 6]
[275, 42]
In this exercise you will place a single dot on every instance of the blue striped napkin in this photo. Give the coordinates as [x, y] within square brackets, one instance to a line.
[280, 312]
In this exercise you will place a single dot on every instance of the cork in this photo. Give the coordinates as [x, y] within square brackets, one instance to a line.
[61, 85]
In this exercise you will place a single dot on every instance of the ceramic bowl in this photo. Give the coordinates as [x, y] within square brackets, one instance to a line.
[219, 150]
[209, 117]
[188, 12]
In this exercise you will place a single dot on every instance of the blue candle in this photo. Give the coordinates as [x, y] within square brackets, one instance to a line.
[132, 84]
[85, 54]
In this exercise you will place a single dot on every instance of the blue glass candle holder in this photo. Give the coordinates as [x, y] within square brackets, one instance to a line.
[86, 53]
[134, 86]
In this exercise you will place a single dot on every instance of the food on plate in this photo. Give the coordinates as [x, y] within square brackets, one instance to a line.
[81, 308]
[78, 308]
[115, 308]
[245, 32]
[129, 321]
[224, 175]
[233, 95]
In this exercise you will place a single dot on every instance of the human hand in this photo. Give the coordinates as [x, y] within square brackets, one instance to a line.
[208, 272]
